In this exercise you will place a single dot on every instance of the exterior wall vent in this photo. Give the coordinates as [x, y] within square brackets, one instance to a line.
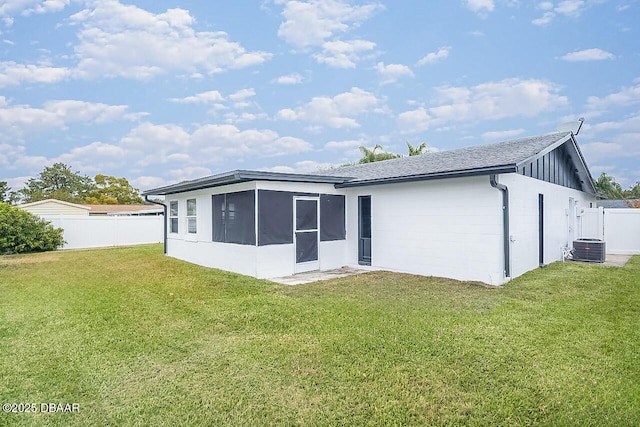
[590, 250]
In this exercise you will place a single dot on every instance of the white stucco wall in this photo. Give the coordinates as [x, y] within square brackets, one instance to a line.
[446, 227]
[561, 221]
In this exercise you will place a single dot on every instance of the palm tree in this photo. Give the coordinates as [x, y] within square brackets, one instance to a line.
[369, 156]
[416, 151]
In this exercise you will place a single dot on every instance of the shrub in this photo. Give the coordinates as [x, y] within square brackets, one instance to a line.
[22, 232]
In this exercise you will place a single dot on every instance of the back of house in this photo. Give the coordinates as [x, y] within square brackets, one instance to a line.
[486, 213]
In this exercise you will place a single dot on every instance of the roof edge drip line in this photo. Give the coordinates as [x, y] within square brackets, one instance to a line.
[426, 177]
[505, 222]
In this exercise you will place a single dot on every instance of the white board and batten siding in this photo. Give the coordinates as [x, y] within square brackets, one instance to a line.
[619, 228]
[258, 261]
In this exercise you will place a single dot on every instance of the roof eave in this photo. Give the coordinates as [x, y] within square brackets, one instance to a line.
[431, 176]
[239, 176]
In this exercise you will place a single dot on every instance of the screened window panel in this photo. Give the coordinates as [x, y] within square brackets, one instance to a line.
[275, 217]
[192, 227]
[306, 215]
[332, 214]
[234, 218]
[306, 246]
[240, 222]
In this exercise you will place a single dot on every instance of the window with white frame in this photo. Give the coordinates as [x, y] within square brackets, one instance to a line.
[173, 216]
[192, 223]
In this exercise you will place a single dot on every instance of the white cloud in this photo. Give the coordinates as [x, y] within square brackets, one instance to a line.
[289, 79]
[544, 19]
[163, 42]
[502, 135]
[441, 54]
[392, 72]
[343, 54]
[12, 73]
[26, 7]
[87, 112]
[481, 5]
[570, 8]
[596, 151]
[486, 101]
[343, 145]
[18, 120]
[336, 112]
[209, 144]
[211, 96]
[311, 23]
[593, 54]
[320, 23]
[625, 97]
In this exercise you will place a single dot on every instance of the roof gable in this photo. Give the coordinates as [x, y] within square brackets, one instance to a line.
[54, 202]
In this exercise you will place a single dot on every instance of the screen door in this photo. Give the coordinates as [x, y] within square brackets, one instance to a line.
[305, 211]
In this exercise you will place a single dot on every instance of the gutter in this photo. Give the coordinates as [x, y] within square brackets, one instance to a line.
[505, 223]
[164, 208]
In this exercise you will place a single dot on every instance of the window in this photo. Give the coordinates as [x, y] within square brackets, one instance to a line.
[332, 211]
[173, 216]
[234, 218]
[192, 223]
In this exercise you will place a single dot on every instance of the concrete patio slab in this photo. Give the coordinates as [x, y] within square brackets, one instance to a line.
[611, 260]
[315, 276]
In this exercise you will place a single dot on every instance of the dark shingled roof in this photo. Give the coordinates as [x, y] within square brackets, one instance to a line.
[483, 158]
[502, 157]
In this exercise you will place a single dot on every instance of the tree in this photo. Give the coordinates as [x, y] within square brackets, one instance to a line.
[6, 195]
[416, 151]
[58, 182]
[22, 232]
[608, 187]
[369, 156]
[633, 192]
[110, 190]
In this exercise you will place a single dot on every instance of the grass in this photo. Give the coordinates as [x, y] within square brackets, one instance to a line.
[136, 338]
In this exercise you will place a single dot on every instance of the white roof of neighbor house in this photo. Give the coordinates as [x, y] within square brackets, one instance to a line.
[501, 157]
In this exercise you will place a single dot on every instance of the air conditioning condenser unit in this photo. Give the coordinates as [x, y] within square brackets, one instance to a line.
[590, 250]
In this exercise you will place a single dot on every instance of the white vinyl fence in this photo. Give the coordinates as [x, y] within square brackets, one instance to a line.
[619, 228]
[101, 231]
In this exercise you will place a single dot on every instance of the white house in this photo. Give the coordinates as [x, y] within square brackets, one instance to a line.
[486, 213]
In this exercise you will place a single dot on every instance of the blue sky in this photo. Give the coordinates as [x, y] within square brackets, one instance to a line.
[163, 91]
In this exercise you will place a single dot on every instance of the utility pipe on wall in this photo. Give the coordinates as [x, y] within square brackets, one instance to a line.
[505, 222]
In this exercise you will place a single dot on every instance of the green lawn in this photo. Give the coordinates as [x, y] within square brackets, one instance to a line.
[136, 338]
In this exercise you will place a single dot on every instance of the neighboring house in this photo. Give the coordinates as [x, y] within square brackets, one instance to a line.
[619, 204]
[486, 213]
[52, 207]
